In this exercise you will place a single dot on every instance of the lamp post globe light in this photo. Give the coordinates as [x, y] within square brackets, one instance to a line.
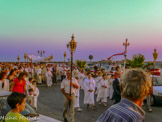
[71, 46]
[125, 44]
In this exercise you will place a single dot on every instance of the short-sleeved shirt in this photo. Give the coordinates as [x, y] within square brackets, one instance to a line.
[19, 87]
[15, 117]
[65, 84]
[125, 111]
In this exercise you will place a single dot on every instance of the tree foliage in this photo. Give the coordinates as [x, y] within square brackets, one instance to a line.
[138, 61]
[148, 65]
[81, 64]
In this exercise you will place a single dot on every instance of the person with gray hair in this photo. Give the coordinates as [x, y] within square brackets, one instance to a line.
[135, 86]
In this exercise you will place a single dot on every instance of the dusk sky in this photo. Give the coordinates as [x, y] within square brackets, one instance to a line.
[100, 28]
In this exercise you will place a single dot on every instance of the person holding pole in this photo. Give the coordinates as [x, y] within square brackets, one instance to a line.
[69, 99]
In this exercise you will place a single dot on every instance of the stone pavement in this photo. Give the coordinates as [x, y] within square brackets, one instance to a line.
[50, 103]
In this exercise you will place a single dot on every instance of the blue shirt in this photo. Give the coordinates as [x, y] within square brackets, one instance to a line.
[125, 111]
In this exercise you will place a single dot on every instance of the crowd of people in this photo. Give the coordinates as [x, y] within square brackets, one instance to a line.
[128, 90]
[23, 78]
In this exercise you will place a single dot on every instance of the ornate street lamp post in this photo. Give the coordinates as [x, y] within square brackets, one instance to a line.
[25, 56]
[71, 46]
[155, 56]
[51, 57]
[40, 52]
[64, 56]
[18, 58]
[125, 44]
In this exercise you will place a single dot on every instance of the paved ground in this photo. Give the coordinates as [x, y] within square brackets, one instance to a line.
[50, 103]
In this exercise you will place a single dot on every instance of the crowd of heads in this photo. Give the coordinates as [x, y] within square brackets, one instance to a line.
[130, 79]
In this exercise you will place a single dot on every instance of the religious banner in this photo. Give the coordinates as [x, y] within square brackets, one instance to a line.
[115, 55]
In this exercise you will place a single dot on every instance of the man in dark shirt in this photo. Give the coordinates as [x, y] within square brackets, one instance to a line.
[116, 87]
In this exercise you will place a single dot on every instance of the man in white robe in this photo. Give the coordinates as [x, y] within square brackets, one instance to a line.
[89, 89]
[81, 79]
[76, 72]
[49, 78]
[98, 79]
[39, 73]
[111, 87]
[77, 95]
[103, 87]
[109, 84]
[43, 72]
[31, 71]
[35, 94]
[59, 72]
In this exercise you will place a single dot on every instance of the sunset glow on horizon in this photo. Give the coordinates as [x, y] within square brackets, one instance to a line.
[99, 27]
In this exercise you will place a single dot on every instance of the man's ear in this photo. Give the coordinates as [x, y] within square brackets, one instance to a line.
[17, 105]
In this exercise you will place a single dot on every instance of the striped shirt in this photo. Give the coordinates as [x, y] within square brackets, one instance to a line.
[125, 111]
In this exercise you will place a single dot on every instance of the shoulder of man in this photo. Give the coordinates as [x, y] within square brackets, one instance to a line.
[110, 114]
[64, 80]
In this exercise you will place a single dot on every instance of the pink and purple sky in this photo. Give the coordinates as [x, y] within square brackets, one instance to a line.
[100, 28]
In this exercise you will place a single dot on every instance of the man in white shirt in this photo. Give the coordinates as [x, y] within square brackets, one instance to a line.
[69, 99]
